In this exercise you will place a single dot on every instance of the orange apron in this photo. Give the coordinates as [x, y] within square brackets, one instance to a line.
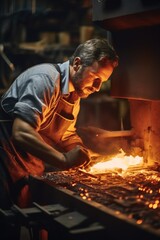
[57, 124]
[20, 163]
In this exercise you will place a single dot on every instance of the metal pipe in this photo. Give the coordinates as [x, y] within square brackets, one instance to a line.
[5, 58]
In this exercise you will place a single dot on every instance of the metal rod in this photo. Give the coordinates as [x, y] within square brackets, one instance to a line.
[86, 173]
[6, 59]
[46, 212]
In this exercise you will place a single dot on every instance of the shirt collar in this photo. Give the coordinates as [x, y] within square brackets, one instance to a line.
[66, 85]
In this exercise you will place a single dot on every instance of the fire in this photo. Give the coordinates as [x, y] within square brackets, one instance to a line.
[120, 161]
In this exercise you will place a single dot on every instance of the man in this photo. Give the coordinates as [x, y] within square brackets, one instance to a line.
[39, 113]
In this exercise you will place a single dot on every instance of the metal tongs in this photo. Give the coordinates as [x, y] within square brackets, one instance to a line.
[105, 133]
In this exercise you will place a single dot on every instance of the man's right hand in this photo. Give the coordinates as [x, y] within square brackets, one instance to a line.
[76, 157]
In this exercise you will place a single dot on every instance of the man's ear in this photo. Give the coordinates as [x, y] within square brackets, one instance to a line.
[76, 63]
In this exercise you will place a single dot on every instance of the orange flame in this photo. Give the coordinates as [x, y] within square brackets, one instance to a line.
[120, 161]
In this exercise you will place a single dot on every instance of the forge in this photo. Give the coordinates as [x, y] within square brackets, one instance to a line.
[116, 196]
[87, 203]
[123, 196]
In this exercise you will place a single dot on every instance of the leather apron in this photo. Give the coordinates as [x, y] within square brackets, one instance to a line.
[58, 122]
[20, 163]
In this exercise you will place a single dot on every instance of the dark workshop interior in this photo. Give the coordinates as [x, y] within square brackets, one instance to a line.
[118, 197]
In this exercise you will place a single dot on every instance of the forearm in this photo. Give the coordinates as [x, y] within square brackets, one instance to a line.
[30, 140]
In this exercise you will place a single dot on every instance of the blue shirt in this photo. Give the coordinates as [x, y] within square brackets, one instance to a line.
[35, 91]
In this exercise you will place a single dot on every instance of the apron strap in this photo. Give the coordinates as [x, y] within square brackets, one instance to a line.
[57, 68]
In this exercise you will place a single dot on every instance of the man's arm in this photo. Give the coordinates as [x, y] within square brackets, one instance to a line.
[27, 138]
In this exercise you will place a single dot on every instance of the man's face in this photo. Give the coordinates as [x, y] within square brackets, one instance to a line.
[88, 80]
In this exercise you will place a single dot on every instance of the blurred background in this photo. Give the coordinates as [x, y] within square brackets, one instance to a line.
[36, 31]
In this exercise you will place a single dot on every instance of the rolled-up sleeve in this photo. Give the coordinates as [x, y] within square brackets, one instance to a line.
[34, 99]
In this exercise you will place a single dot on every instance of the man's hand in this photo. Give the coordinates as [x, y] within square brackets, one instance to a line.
[78, 156]
[28, 139]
